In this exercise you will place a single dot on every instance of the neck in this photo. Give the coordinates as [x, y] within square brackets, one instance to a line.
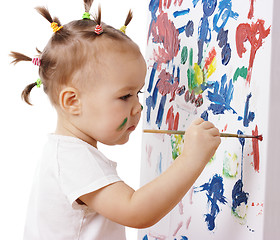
[66, 128]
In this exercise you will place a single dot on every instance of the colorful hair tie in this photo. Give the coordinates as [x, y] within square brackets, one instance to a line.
[123, 29]
[86, 15]
[38, 83]
[55, 27]
[36, 61]
[98, 29]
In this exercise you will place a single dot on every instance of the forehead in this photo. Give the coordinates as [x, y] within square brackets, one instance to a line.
[122, 65]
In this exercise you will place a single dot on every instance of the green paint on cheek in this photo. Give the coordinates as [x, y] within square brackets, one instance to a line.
[122, 125]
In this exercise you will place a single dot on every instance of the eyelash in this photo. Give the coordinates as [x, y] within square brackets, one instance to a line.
[128, 96]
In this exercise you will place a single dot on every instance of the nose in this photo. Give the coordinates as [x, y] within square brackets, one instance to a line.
[137, 108]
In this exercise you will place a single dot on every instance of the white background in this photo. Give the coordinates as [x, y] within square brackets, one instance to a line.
[23, 128]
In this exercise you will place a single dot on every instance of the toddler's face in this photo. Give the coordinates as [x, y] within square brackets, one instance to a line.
[110, 106]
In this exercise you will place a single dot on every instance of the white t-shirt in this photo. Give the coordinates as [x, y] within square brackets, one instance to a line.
[69, 169]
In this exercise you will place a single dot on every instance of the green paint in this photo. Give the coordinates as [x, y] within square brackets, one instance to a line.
[184, 55]
[240, 72]
[177, 142]
[122, 125]
[230, 165]
[191, 57]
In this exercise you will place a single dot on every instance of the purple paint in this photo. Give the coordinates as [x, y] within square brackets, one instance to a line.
[226, 54]
[189, 28]
[215, 194]
[160, 111]
[222, 37]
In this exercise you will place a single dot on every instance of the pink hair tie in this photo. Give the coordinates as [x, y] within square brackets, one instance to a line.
[98, 29]
[36, 61]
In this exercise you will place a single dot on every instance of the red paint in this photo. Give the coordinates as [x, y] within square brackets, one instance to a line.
[165, 86]
[251, 11]
[172, 120]
[167, 36]
[254, 33]
[225, 128]
[256, 154]
[210, 58]
[188, 222]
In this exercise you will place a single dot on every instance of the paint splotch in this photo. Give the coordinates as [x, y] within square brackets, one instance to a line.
[215, 194]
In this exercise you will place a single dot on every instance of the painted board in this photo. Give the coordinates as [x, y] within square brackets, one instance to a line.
[210, 59]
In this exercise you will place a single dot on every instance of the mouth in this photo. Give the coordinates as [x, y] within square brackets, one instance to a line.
[132, 128]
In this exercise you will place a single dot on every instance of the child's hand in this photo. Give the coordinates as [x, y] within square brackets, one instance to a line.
[201, 140]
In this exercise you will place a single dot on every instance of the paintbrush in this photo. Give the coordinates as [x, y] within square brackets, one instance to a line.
[259, 137]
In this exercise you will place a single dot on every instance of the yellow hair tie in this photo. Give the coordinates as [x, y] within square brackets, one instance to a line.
[55, 27]
[123, 29]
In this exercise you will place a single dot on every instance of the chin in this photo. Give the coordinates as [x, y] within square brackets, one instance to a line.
[120, 141]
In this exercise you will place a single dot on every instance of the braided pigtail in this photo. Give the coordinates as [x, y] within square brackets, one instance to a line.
[18, 57]
[127, 21]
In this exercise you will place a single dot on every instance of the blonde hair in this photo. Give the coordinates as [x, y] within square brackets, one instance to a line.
[67, 52]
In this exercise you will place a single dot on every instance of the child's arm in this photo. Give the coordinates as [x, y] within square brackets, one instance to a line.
[146, 206]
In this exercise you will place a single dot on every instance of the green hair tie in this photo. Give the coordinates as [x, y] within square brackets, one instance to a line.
[38, 83]
[86, 15]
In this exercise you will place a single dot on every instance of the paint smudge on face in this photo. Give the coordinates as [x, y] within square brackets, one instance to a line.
[230, 165]
[122, 125]
[240, 72]
[254, 33]
[165, 33]
[239, 201]
[215, 194]
[221, 96]
[256, 154]
[171, 120]
[177, 142]
[248, 116]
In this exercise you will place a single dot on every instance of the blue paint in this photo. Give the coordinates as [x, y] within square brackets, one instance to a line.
[153, 7]
[152, 77]
[209, 7]
[224, 12]
[182, 238]
[215, 194]
[181, 90]
[221, 96]
[242, 142]
[204, 115]
[151, 102]
[178, 74]
[248, 116]
[239, 118]
[181, 29]
[180, 13]
[145, 237]
[204, 36]
[160, 111]
[222, 37]
[189, 28]
[238, 195]
[226, 54]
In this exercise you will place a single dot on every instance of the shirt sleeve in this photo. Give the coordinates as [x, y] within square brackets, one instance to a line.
[83, 169]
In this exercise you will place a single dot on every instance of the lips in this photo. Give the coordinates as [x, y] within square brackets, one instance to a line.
[132, 128]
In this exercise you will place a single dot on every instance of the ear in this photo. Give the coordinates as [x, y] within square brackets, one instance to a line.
[69, 100]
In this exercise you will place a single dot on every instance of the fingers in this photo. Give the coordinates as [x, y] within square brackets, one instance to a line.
[198, 121]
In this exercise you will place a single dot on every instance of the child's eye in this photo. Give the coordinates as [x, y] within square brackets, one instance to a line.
[139, 92]
[125, 97]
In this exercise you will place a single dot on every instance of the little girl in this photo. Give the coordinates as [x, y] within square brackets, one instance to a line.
[92, 74]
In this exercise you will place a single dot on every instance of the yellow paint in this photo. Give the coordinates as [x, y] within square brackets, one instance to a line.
[198, 74]
[212, 67]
